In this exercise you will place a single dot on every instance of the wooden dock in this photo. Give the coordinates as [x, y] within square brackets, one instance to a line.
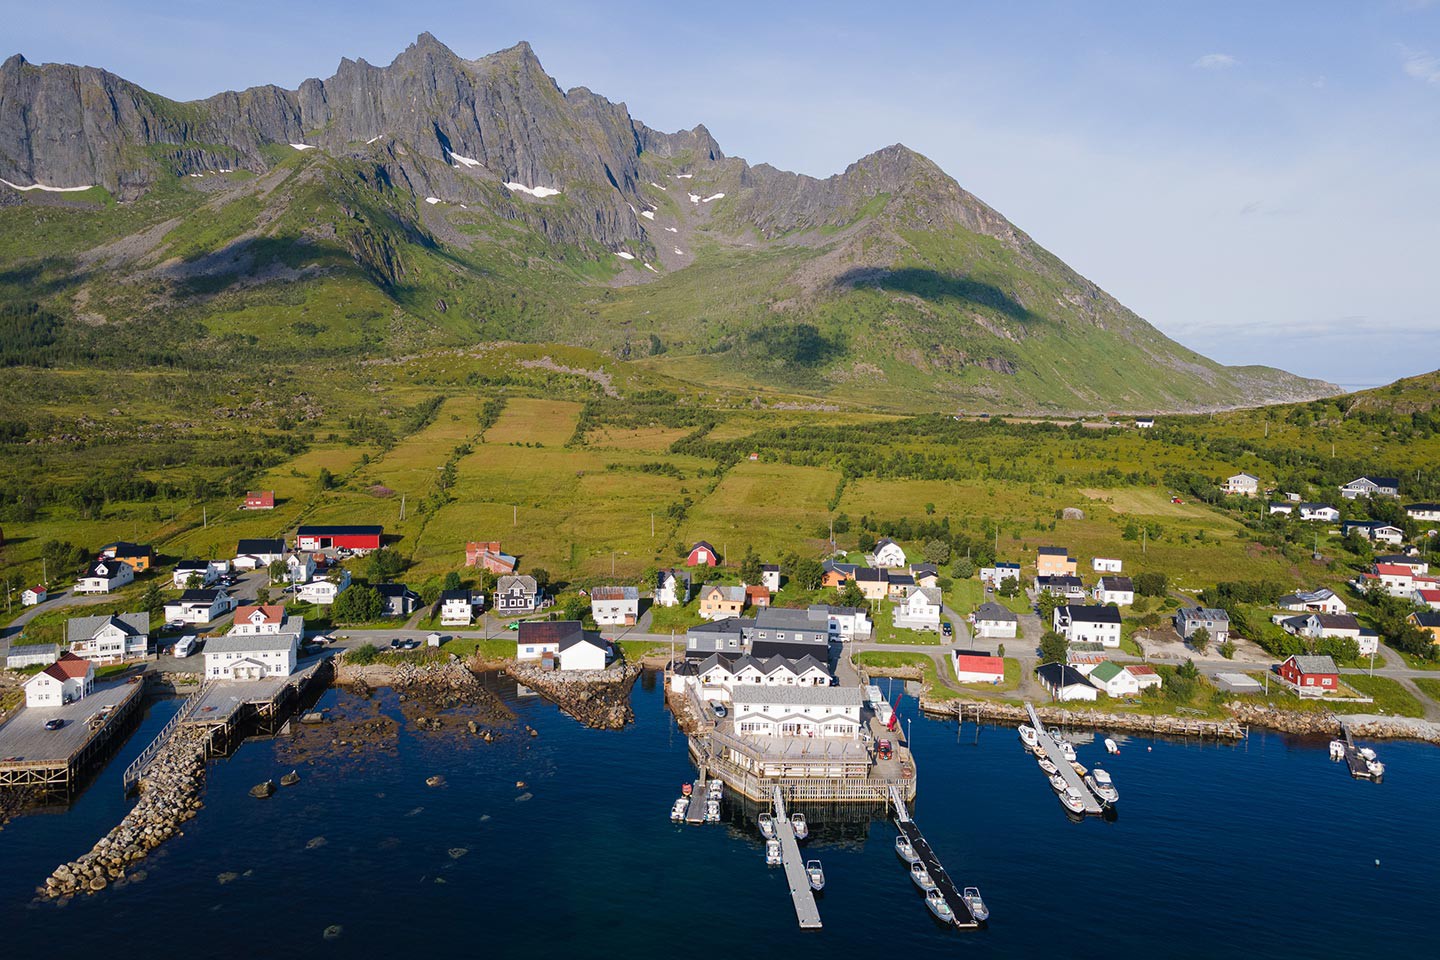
[937, 871]
[695, 812]
[53, 761]
[805, 909]
[1050, 747]
[1358, 765]
[222, 706]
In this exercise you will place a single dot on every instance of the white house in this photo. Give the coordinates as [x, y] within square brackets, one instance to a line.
[1001, 571]
[1088, 624]
[888, 554]
[107, 639]
[770, 577]
[1065, 682]
[1144, 423]
[1370, 487]
[66, 680]
[1106, 565]
[1424, 512]
[920, 610]
[33, 596]
[199, 606]
[844, 623]
[1285, 508]
[798, 711]
[1145, 676]
[583, 652]
[1117, 590]
[1242, 484]
[457, 607]
[323, 591]
[31, 654]
[615, 606]
[1318, 511]
[971, 667]
[1114, 680]
[253, 620]
[672, 588]
[1374, 530]
[300, 568]
[264, 642]
[993, 621]
[1322, 600]
[105, 575]
[540, 638]
[1071, 588]
[718, 674]
[204, 572]
[256, 554]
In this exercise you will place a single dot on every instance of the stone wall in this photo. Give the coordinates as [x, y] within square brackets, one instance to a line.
[597, 698]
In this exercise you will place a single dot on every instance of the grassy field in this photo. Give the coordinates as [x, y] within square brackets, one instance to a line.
[885, 658]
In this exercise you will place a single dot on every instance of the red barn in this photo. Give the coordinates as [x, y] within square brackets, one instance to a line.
[262, 500]
[1311, 676]
[702, 555]
[349, 537]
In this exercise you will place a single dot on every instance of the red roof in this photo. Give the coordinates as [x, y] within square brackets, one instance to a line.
[274, 612]
[1393, 570]
[1141, 670]
[69, 667]
[1430, 596]
[974, 663]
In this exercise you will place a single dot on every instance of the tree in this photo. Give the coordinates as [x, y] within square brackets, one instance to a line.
[1046, 604]
[850, 595]
[542, 577]
[750, 566]
[963, 569]
[385, 564]
[278, 570]
[807, 572]
[1188, 670]
[325, 480]
[937, 551]
[576, 607]
[1152, 584]
[451, 582]
[1009, 587]
[151, 601]
[1200, 639]
[1001, 650]
[357, 604]
[1052, 647]
[262, 596]
[1227, 649]
[192, 582]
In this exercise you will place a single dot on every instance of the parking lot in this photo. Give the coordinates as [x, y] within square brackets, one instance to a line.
[24, 737]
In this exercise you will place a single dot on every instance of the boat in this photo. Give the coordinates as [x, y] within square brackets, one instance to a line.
[772, 853]
[936, 902]
[1067, 750]
[767, 826]
[716, 789]
[1046, 767]
[1079, 768]
[1099, 781]
[1058, 782]
[1337, 750]
[798, 824]
[974, 904]
[816, 874]
[712, 811]
[1111, 746]
[1072, 801]
[1366, 753]
[1028, 736]
[921, 876]
[677, 812]
[685, 789]
[904, 851]
[1375, 768]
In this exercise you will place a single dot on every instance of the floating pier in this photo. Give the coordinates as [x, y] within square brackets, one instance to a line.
[1361, 767]
[1050, 747]
[53, 761]
[927, 856]
[695, 812]
[805, 909]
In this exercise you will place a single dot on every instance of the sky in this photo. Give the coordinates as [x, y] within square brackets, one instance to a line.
[1261, 181]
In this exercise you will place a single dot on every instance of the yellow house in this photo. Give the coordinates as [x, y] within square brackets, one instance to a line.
[717, 602]
[1429, 621]
[1054, 562]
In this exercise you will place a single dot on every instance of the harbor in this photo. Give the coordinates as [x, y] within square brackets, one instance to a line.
[55, 761]
[964, 912]
[1361, 761]
[806, 912]
[1081, 798]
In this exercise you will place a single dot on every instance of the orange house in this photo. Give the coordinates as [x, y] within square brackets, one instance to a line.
[139, 556]
[1427, 620]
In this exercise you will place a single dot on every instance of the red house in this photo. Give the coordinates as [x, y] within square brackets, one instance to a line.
[702, 555]
[263, 500]
[487, 554]
[972, 667]
[1311, 676]
[757, 595]
[349, 537]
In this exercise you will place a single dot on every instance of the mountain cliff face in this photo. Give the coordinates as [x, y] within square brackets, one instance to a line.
[455, 185]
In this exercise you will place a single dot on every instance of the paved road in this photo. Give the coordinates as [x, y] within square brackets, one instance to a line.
[57, 601]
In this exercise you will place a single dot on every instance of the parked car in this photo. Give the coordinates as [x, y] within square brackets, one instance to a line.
[55, 724]
[396, 644]
[719, 708]
[946, 629]
[885, 750]
[513, 625]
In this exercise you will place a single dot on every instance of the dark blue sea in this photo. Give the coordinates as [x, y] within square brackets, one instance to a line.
[1264, 849]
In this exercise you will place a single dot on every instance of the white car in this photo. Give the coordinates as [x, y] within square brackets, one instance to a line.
[184, 647]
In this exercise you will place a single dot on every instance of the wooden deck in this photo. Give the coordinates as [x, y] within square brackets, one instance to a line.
[31, 756]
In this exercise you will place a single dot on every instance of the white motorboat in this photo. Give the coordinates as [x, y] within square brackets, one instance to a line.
[1058, 783]
[677, 812]
[936, 902]
[716, 789]
[1067, 750]
[1337, 750]
[1028, 736]
[904, 851]
[974, 904]
[1366, 753]
[712, 811]
[1100, 782]
[1072, 801]
[816, 875]
[1111, 746]
[1375, 768]
[767, 826]
[1046, 767]
[772, 853]
[798, 824]
[921, 876]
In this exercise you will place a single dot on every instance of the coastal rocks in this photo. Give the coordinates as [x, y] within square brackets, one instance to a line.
[596, 698]
[435, 781]
[1325, 724]
[264, 790]
[987, 710]
[290, 779]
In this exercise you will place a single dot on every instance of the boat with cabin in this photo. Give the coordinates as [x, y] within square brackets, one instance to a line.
[716, 789]
[1067, 750]
[1071, 800]
[922, 877]
[1103, 787]
[712, 811]
[677, 812]
[935, 900]
[798, 824]
[1058, 783]
[978, 911]
[1028, 736]
[772, 853]
[816, 875]
[1337, 750]
[767, 825]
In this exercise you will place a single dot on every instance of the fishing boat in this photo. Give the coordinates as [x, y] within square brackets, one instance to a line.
[1100, 782]
[767, 826]
[921, 876]
[716, 789]
[1046, 767]
[974, 904]
[677, 812]
[1072, 801]
[1028, 736]
[798, 824]
[816, 875]
[1058, 783]
[772, 853]
[904, 851]
[1111, 746]
[936, 902]
[1337, 750]
[712, 811]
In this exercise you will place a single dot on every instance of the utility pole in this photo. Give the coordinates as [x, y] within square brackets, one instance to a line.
[514, 514]
[402, 506]
[1144, 538]
[205, 517]
[652, 524]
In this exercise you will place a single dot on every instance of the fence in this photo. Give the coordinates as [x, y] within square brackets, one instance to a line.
[138, 765]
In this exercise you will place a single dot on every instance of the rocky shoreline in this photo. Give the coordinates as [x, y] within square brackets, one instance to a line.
[597, 698]
[169, 795]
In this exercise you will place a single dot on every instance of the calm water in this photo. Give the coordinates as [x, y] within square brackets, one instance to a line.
[1265, 848]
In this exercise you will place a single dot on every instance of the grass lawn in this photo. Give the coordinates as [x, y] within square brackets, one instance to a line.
[1430, 686]
[965, 595]
[887, 632]
[678, 619]
[886, 658]
[1414, 662]
[636, 650]
[1016, 604]
[1390, 697]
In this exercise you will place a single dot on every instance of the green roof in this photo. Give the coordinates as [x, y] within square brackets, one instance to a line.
[1106, 671]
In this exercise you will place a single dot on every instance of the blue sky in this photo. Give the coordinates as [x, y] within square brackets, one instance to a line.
[1259, 180]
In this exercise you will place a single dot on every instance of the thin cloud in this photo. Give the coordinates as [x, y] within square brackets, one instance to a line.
[1420, 65]
[1215, 61]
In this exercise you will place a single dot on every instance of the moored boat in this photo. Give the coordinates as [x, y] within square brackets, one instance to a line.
[767, 826]
[1070, 799]
[716, 789]
[936, 902]
[1099, 781]
[974, 904]
[1028, 736]
[677, 812]
[904, 851]
[1337, 750]
[1111, 746]
[1058, 783]
[772, 853]
[798, 824]
[921, 876]
[1067, 750]
[686, 788]
[816, 875]
[1046, 767]
[712, 811]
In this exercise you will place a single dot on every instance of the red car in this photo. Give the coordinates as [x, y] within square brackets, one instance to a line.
[884, 750]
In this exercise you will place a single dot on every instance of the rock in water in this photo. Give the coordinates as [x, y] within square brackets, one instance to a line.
[435, 781]
[290, 779]
[227, 877]
[333, 931]
[315, 843]
[263, 790]
[457, 852]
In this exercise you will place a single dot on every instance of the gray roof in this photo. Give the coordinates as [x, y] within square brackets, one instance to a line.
[932, 594]
[252, 546]
[85, 628]
[734, 663]
[732, 594]
[1205, 613]
[1061, 674]
[737, 625]
[574, 639]
[33, 649]
[522, 580]
[798, 696]
[250, 643]
[1122, 584]
[991, 610]
[1314, 664]
[787, 618]
[201, 596]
